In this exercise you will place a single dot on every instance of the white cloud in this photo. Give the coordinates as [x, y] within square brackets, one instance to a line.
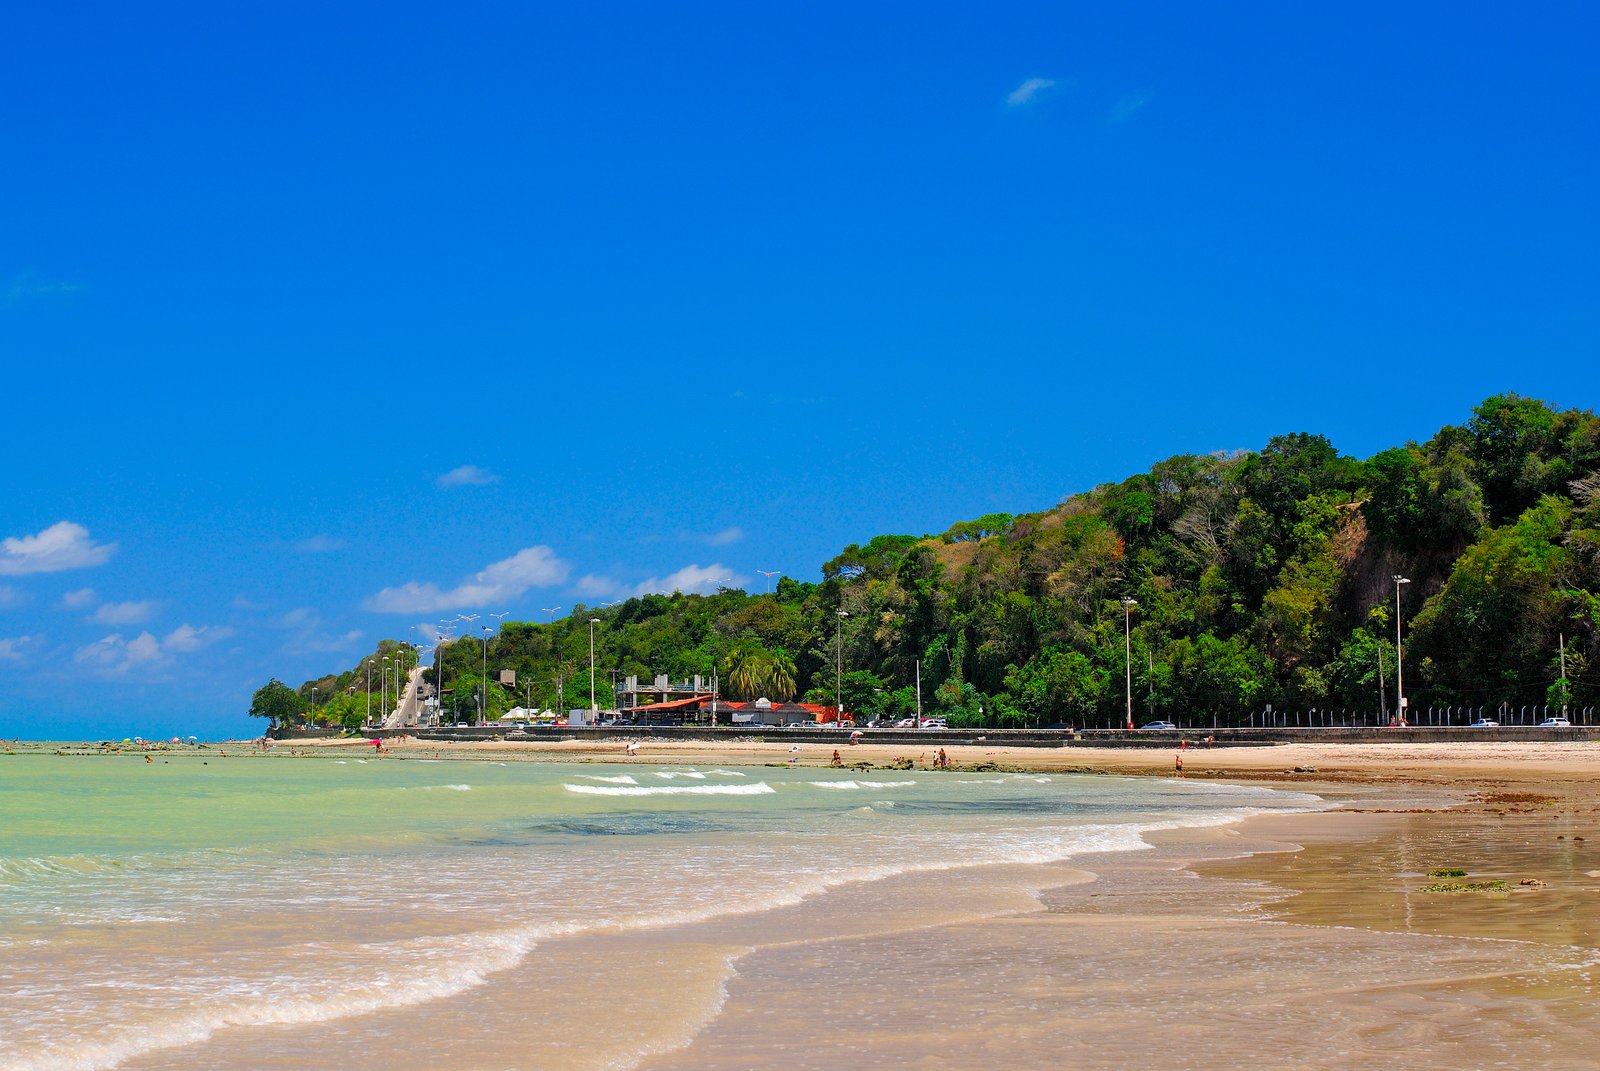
[78, 600]
[691, 578]
[319, 544]
[24, 288]
[187, 638]
[64, 545]
[531, 567]
[1028, 90]
[466, 476]
[113, 654]
[309, 636]
[11, 649]
[126, 613]
[10, 596]
[1123, 110]
[726, 536]
[597, 587]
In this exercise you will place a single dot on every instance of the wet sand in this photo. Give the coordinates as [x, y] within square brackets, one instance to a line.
[1309, 940]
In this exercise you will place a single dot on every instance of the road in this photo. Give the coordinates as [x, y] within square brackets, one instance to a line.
[410, 706]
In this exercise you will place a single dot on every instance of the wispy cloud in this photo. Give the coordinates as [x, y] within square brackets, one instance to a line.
[466, 476]
[10, 596]
[1028, 90]
[126, 613]
[531, 567]
[11, 648]
[319, 544]
[27, 288]
[308, 636]
[114, 654]
[1124, 108]
[78, 600]
[726, 536]
[689, 579]
[62, 546]
[187, 638]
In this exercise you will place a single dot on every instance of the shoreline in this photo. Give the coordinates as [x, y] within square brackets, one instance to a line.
[1316, 931]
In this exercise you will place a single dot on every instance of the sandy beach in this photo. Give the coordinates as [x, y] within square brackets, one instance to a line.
[1438, 908]
[1444, 914]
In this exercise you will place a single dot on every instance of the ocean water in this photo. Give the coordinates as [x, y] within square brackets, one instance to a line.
[346, 912]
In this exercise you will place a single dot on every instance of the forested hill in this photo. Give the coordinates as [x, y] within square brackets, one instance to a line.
[1259, 577]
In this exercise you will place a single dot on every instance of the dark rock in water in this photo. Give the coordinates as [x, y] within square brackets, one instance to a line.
[1530, 881]
[1305, 769]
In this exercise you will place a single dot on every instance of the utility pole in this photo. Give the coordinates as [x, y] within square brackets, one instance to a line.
[1563, 637]
[919, 693]
[1383, 699]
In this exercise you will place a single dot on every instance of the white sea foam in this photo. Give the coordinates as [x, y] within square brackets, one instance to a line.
[726, 773]
[851, 786]
[983, 781]
[693, 775]
[625, 779]
[760, 788]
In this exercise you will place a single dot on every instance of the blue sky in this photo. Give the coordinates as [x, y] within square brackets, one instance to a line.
[320, 322]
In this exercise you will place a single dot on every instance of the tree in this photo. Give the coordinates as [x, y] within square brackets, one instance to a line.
[277, 702]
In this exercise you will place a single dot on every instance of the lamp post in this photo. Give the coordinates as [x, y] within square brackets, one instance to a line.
[384, 688]
[593, 710]
[838, 670]
[1399, 653]
[769, 576]
[369, 691]
[483, 703]
[1127, 650]
[551, 610]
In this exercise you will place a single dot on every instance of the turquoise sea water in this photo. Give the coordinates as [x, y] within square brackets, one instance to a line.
[153, 909]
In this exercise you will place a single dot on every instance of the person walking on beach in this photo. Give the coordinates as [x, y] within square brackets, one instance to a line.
[1177, 762]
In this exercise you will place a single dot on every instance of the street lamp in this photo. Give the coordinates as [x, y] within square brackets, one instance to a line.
[1127, 650]
[838, 670]
[769, 576]
[1399, 653]
[551, 610]
[593, 710]
[369, 691]
[483, 704]
[384, 688]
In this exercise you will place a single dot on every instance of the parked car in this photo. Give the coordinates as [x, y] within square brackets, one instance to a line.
[1485, 723]
[934, 723]
[1561, 723]
[906, 723]
[1158, 725]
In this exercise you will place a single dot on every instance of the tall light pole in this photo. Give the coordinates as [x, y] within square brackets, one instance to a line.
[838, 670]
[1127, 650]
[551, 610]
[483, 704]
[384, 673]
[369, 691]
[1399, 652]
[769, 576]
[593, 710]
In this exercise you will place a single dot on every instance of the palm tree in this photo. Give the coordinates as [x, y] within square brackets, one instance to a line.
[754, 672]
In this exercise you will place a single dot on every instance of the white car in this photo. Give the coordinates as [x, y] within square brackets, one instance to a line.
[1562, 723]
[1485, 723]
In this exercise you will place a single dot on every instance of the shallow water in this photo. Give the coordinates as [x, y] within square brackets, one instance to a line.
[256, 912]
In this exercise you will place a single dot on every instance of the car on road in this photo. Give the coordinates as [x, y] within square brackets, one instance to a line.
[934, 723]
[1158, 725]
[1553, 723]
[1484, 723]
